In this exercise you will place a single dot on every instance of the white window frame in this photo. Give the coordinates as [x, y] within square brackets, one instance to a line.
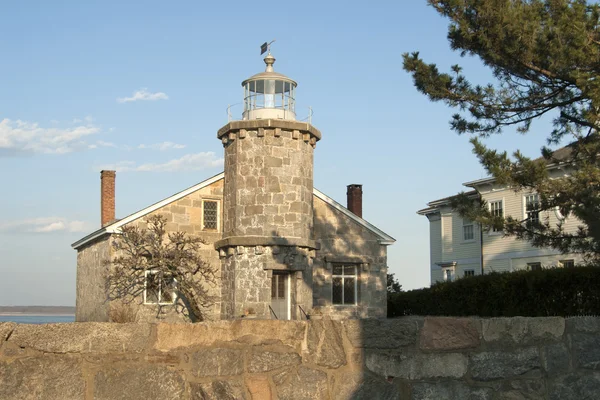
[525, 201]
[493, 232]
[153, 271]
[472, 225]
[472, 273]
[452, 271]
[218, 229]
[561, 263]
[355, 276]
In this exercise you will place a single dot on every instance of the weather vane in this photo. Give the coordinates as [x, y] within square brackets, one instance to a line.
[266, 47]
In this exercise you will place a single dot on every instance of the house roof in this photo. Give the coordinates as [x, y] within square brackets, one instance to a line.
[559, 157]
[435, 204]
[114, 227]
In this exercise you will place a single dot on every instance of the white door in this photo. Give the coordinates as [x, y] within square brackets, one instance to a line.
[280, 295]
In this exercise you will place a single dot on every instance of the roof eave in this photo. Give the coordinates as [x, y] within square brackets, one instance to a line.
[92, 236]
[384, 238]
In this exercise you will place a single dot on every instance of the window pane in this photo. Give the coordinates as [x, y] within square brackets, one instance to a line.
[567, 263]
[349, 290]
[151, 288]
[210, 215]
[274, 287]
[469, 272]
[337, 291]
[534, 266]
[496, 211]
[468, 232]
[167, 290]
[281, 285]
[349, 270]
[532, 207]
[337, 270]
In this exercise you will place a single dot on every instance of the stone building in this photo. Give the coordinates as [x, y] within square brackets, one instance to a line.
[283, 248]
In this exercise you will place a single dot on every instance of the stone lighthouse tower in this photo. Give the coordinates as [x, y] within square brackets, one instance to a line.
[268, 246]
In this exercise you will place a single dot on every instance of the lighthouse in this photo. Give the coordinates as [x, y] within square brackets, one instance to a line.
[268, 245]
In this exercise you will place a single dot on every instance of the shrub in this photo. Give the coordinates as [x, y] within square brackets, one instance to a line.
[546, 292]
[122, 313]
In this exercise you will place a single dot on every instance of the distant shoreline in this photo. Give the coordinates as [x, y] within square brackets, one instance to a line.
[34, 314]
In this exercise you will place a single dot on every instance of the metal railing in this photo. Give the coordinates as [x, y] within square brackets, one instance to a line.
[303, 312]
[273, 312]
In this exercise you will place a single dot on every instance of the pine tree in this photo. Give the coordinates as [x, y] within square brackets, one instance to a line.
[545, 57]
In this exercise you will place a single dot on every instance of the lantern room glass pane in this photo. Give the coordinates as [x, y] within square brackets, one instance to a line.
[270, 93]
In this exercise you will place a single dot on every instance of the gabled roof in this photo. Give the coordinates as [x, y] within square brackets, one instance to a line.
[114, 227]
[384, 238]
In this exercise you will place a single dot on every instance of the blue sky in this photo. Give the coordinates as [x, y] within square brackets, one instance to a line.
[144, 86]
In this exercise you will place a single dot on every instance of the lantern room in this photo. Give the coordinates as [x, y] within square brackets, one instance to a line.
[269, 95]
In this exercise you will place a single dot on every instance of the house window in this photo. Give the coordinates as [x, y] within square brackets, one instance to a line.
[344, 282]
[469, 272]
[468, 233]
[567, 263]
[532, 206]
[536, 266]
[448, 274]
[159, 289]
[497, 211]
[210, 215]
[278, 286]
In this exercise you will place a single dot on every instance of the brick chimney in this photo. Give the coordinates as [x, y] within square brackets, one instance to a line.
[107, 197]
[355, 199]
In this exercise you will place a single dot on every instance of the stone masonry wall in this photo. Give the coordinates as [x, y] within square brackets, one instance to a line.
[405, 358]
[251, 268]
[90, 300]
[268, 178]
[183, 215]
[342, 240]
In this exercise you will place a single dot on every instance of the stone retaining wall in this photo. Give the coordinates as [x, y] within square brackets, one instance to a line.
[406, 358]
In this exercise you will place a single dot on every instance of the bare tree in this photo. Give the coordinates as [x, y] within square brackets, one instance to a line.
[163, 268]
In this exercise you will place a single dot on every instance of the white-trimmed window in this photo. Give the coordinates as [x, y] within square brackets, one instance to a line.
[534, 266]
[497, 210]
[159, 289]
[532, 207]
[448, 274]
[567, 263]
[468, 230]
[469, 272]
[210, 215]
[344, 284]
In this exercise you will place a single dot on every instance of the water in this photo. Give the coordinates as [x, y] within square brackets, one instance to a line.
[37, 319]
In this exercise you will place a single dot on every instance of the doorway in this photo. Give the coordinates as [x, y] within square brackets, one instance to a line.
[280, 295]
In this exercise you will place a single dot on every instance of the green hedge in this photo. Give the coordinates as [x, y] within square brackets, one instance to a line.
[547, 292]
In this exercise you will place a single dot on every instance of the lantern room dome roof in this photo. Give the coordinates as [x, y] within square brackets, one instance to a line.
[269, 73]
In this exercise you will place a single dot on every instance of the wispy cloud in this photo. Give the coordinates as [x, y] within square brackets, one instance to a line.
[22, 137]
[44, 225]
[162, 146]
[101, 143]
[143, 95]
[189, 162]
